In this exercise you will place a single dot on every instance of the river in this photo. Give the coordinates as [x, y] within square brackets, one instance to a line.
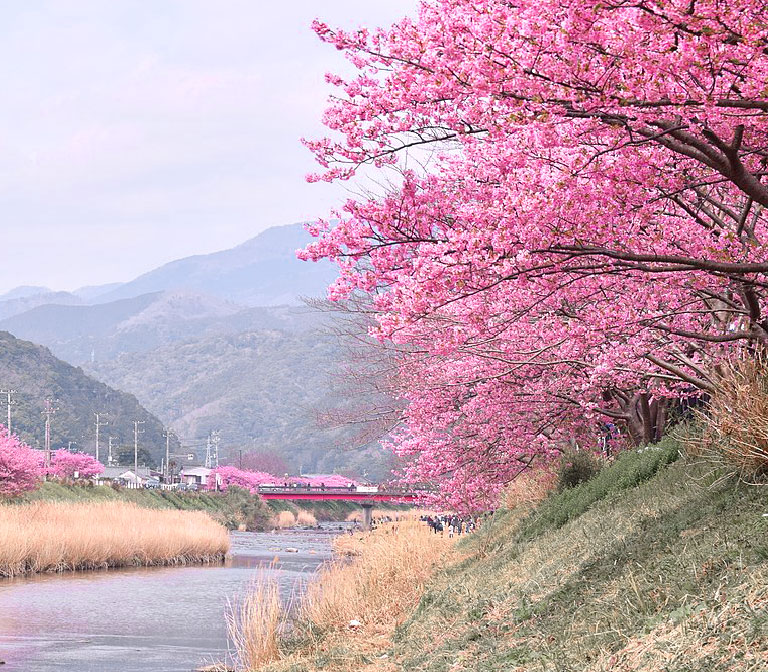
[168, 619]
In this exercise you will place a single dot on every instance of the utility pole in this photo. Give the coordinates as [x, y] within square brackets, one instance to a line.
[136, 433]
[216, 438]
[167, 434]
[9, 397]
[99, 424]
[110, 459]
[212, 450]
[50, 409]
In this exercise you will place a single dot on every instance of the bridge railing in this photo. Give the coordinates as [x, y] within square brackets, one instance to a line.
[299, 488]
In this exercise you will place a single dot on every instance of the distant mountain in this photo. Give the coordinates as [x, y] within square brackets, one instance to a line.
[23, 291]
[21, 304]
[218, 341]
[262, 271]
[80, 334]
[72, 331]
[36, 374]
[91, 292]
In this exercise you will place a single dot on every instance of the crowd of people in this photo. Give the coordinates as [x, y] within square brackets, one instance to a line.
[453, 524]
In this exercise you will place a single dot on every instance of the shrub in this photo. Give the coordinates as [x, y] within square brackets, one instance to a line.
[21, 467]
[629, 470]
[576, 467]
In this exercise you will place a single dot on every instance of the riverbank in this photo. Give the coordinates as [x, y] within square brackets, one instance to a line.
[235, 508]
[65, 536]
[134, 619]
[351, 608]
[655, 563]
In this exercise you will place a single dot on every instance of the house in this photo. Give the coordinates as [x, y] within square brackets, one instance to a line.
[124, 473]
[196, 475]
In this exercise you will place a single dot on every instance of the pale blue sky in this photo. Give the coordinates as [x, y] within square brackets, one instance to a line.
[134, 132]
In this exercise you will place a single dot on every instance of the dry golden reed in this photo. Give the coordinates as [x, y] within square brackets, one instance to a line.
[284, 519]
[59, 536]
[394, 514]
[382, 583]
[305, 517]
[735, 422]
[256, 622]
[529, 488]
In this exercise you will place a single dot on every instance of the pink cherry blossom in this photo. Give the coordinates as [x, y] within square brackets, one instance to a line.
[21, 467]
[585, 242]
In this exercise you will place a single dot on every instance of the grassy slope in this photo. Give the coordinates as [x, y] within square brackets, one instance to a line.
[631, 571]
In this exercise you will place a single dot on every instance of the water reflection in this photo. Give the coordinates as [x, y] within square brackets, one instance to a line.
[143, 620]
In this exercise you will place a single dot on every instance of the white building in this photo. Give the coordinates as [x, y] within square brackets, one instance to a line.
[196, 475]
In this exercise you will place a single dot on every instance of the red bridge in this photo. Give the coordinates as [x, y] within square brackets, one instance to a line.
[358, 493]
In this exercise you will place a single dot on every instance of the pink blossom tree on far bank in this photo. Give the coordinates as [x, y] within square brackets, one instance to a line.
[68, 465]
[21, 467]
[232, 476]
[586, 243]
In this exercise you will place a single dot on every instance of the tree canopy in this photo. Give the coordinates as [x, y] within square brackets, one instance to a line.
[574, 235]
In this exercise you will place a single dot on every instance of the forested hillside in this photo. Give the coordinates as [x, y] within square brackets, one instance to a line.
[262, 389]
[35, 374]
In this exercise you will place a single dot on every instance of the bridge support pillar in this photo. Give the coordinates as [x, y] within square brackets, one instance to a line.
[367, 516]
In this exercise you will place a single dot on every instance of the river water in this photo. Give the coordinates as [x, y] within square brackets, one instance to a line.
[144, 620]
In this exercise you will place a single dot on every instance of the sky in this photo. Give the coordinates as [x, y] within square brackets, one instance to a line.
[133, 133]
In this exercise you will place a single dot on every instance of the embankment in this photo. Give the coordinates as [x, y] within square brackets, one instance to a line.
[62, 536]
[232, 509]
[654, 564]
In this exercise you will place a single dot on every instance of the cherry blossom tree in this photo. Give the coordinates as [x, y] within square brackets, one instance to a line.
[248, 480]
[66, 464]
[585, 243]
[21, 467]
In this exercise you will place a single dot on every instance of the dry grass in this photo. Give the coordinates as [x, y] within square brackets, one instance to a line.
[256, 622]
[735, 425]
[407, 514]
[284, 519]
[305, 518]
[530, 488]
[384, 581]
[58, 536]
[351, 607]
